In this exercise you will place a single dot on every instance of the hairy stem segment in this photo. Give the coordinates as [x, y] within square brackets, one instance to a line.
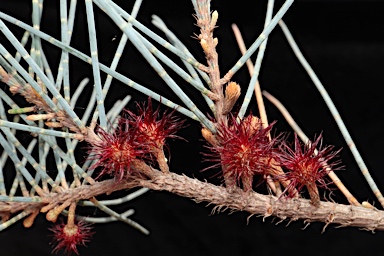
[268, 205]
[207, 23]
[237, 200]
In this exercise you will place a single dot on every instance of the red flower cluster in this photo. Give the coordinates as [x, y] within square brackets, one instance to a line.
[307, 164]
[68, 237]
[115, 151]
[243, 150]
[154, 127]
[135, 137]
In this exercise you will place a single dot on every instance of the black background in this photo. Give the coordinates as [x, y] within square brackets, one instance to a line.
[344, 43]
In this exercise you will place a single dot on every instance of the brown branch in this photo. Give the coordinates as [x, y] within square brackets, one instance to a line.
[268, 205]
[237, 200]
[207, 23]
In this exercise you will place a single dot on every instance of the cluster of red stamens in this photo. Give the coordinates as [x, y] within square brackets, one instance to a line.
[244, 149]
[69, 236]
[307, 165]
[135, 138]
[115, 151]
[154, 127]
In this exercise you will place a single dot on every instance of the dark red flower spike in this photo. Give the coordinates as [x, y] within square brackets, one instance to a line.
[153, 128]
[115, 151]
[243, 150]
[307, 166]
[67, 237]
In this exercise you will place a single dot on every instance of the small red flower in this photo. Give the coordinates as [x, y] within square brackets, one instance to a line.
[154, 127]
[134, 137]
[68, 237]
[244, 150]
[308, 164]
[115, 151]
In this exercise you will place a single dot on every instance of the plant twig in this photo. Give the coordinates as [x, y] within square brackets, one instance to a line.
[252, 202]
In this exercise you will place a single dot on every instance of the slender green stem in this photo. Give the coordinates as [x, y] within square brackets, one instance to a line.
[2, 185]
[23, 41]
[264, 34]
[21, 199]
[118, 201]
[89, 108]
[60, 178]
[13, 220]
[38, 130]
[253, 84]
[42, 160]
[102, 219]
[120, 217]
[67, 23]
[47, 68]
[78, 92]
[95, 63]
[36, 43]
[64, 62]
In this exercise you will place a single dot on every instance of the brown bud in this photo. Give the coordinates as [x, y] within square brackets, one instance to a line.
[41, 117]
[215, 16]
[367, 205]
[232, 93]
[208, 136]
[28, 222]
[15, 88]
[52, 215]
[215, 41]
[204, 45]
[53, 124]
